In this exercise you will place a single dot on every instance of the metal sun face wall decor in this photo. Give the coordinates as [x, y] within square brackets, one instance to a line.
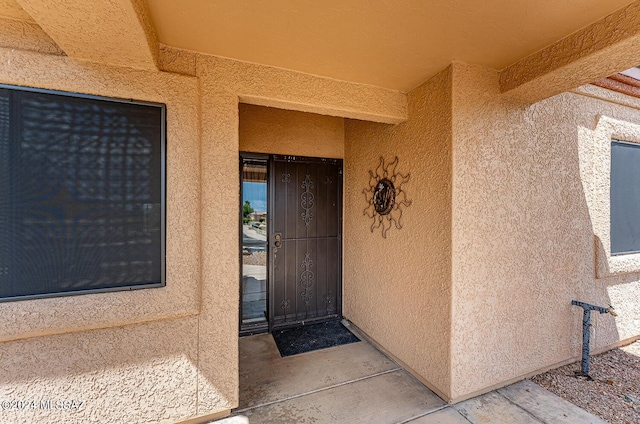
[385, 196]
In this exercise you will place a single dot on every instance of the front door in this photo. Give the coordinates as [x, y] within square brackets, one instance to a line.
[305, 240]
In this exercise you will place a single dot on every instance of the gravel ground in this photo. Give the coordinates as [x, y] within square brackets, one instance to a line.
[257, 258]
[614, 393]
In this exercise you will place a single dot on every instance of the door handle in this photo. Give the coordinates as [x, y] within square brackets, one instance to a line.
[277, 237]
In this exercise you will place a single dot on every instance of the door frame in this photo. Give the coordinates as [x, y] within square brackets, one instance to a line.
[262, 327]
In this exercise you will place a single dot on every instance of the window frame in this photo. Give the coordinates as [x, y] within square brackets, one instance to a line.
[607, 130]
[163, 193]
[635, 146]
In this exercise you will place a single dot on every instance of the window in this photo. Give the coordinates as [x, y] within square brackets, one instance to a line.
[625, 197]
[81, 193]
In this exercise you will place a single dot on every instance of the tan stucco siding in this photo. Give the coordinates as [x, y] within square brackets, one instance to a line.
[472, 292]
[398, 289]
[602, 48]
[266, 86]
[523, 233]
[115, 32]
[218, 324]
[181, 295]
[135, 349]
[131, 374]
[26, 35]
[223, 84]
[287, 132]
[180, 341]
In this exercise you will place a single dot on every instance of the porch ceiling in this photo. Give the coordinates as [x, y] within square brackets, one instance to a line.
[390, 44]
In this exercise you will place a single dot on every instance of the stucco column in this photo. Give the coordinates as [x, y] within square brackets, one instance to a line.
[218, 323]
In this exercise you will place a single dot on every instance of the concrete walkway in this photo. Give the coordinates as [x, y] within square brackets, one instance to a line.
[356, 383]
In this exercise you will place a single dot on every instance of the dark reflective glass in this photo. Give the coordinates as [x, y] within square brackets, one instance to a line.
[625, 197]
[81, 193]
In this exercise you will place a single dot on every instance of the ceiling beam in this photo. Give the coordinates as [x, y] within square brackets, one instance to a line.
[603, 48]
[115, 32]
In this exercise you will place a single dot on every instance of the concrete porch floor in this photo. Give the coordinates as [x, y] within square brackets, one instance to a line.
[356, 383]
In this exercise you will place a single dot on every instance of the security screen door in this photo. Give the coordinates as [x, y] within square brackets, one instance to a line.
[305, 240]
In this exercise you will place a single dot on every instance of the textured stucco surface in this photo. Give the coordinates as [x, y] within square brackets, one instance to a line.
[181, 295]
[218, 323]
[137, 373]
[19, 31]
[605, 47]
[176, 60]
[287, 132]
[165, 354]
[146, 372]
[393, 44]
[526, 216]
[12, 10]
[284, 89]
[115, 32]
[597, 92]
[398, 289]
[474, 291]
[525, 202]
[26, 35]
[223, 84]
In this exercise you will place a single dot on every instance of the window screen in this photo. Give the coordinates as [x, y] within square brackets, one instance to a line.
[625, 197]
[81, 193]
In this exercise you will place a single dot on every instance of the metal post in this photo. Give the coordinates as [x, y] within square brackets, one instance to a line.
[586, 330]
[586, 339]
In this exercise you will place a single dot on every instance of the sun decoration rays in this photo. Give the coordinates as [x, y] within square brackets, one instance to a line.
[385, 197]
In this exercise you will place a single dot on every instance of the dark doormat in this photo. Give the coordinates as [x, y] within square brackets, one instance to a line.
[306, 338]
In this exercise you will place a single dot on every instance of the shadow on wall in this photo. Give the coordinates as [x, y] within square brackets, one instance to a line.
[618, 291]
[523, 236]
[136, 373]
[615, 277]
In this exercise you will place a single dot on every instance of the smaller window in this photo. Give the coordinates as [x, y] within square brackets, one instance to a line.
[625, 197]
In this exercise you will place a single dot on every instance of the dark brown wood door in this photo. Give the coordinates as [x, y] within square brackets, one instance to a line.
[305, 238]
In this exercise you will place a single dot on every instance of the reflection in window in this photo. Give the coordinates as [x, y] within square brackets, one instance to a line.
[81, 194]
[254, 244]
[625, 197]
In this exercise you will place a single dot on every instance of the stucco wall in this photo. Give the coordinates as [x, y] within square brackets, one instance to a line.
[596, 51]
[136, 373]
[115, 32]
[398, 289]
[474, 291]
[181, 295]
[223, 84]
[519, 193]
[25, 35]
[525, 210]
[101, 366]
[18, 30]
[287, 132]
[165, 354]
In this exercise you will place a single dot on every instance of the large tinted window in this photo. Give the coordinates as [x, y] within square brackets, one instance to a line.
[625, 197]
[81, 194]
